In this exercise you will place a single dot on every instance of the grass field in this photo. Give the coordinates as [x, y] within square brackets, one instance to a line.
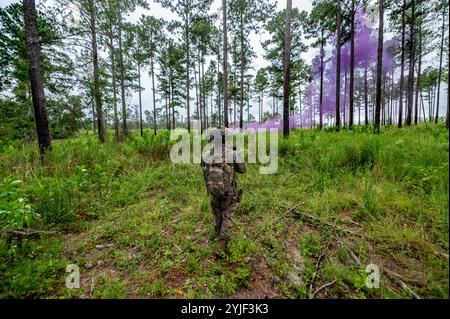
[140, 227]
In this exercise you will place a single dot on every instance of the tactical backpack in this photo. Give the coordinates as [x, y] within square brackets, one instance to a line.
[219, 178]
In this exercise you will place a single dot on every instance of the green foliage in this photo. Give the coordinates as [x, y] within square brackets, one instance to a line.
[156, 215]
[15, 210]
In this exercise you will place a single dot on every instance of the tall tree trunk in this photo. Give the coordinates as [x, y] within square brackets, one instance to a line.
[197, 95]
[200, 99]
[140, 99]
[97, 93]
[248, 102]
[366, 98]
[36, 78]
[447, 124]
[219, 113]
[416, 109]
[152, 69]
[379, 69]
[391, 98]
[167, 113]
[94, 123]
[321, 82]
[113, 80]
[352, 66]
[225, 64]
[383, 104]
[122, 79]
[241, 54]
[402, 68]
[440, 68]
[338, 65]
[287, 69]
[188, 77]
[345, 97]
[411, 66]
[205, 115]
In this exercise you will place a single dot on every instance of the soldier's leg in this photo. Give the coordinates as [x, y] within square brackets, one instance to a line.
[228, 209]
[216, 208]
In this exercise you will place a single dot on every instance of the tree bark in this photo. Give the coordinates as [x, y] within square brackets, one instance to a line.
[36, 78]
[416, 109]
[113, 80]
[402, 68]
[338, 65]
[241, 54]
[140, 100]
[411, 67]
[188, 78]
[97, 93]
[154, 95]
[352, 66]
[219, 113]
[321, 82]
[447, 124]
[366, 98]
[287, 70]
[440, 68]
[225, 64]
[122, 79]
[379, 69]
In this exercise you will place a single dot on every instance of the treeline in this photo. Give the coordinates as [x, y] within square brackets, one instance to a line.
[74, 64]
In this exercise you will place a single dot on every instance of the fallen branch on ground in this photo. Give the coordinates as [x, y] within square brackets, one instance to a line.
[352, 254]
[399, 280]
[288, 210]
[316, 268]
[297, 213]
[26, 231]
[311, 296]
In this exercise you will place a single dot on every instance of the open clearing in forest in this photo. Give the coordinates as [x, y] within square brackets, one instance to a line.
[139, 226]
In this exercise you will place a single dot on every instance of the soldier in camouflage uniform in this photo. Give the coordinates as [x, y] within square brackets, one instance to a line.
[221, 185]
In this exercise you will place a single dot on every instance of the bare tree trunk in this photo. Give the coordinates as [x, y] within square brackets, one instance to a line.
[447, 124]
[338, 65]
[97, 93]
[225, 64]
[241, 38]
[140, 100]
[154, 95]
[416, 109]
[366, 98]
[411, 67]
[113, 80]
[94, 123]
[352, 66]
[205, 115]
[379, 69]
[36, 78]
[122, 79]
[440, 68]
[219, 113]
[345, 97]
[287, 70]
[321, 83]
[167, 114]
[197, 95]
[200, 99]
[188, 77]
[402, 68]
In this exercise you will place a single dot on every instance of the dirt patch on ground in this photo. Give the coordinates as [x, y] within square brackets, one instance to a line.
[262, 285]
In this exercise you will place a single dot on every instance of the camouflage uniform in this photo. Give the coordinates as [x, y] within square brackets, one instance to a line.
[223, 207]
